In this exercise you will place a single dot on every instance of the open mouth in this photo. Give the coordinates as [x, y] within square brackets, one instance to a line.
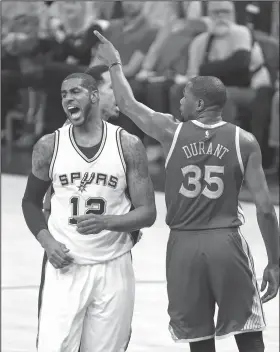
[74, 111]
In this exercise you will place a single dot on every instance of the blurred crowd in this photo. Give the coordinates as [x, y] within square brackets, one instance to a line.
[161, 44]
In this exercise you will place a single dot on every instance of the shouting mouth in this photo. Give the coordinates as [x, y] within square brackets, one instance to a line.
[74, 111]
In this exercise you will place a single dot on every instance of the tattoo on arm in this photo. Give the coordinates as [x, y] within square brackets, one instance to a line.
[138, 179]
[42, 155]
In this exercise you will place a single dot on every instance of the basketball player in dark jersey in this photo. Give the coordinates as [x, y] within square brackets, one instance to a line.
[208, 260]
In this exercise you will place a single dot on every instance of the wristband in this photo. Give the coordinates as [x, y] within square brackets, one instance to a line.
[114, 64]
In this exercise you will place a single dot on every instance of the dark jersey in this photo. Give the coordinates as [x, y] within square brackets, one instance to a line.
[204, 174]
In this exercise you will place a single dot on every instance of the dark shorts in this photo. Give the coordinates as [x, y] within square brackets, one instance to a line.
[205, 269]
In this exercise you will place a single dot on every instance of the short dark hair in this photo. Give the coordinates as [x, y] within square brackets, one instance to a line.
[88, 81]
[210, 89]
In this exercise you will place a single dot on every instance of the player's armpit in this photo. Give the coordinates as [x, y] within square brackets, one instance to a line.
[42, 155]
[139, 185]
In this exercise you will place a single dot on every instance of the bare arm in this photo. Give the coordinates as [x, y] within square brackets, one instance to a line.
[140, 188]
[157, 125]
[37, 184]
[41, 157]
[257, 185]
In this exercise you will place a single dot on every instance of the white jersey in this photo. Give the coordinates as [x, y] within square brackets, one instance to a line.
[84, 186]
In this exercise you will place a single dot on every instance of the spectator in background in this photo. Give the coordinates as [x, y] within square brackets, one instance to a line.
[20, 57]
[231, 53]
[132, 36]
[71, 44]
[107, 10]
[168, 56]
[66, 44]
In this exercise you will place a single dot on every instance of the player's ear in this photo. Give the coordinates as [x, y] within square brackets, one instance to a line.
[94, 96]
[200, 105]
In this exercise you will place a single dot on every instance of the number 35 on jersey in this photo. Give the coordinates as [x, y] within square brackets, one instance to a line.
[194, 178]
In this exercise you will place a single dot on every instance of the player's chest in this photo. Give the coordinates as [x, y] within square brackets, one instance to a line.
[104, 175]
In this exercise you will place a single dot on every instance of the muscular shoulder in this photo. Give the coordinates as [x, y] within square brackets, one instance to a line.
[42, 155]
[248, 145]
[248, 139]
[133, 149]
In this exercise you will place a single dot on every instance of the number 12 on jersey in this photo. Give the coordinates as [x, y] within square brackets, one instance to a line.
[193, 173]
[95, 206]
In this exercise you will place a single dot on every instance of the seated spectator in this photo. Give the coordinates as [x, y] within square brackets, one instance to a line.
[227, 51]
[168, 56]
[19, 57]
[132, 36]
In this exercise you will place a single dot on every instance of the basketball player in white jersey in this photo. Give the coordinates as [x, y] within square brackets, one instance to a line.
[87, 288]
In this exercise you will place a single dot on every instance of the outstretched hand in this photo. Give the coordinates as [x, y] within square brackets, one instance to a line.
[106, 50]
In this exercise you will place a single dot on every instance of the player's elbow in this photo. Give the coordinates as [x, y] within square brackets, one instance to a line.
[126, 105]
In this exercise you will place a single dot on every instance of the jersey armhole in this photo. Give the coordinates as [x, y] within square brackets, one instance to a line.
[56, 142]
[120, 149]
[238, 149]
[175, 138]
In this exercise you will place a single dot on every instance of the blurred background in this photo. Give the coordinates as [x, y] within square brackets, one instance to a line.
[161, 43]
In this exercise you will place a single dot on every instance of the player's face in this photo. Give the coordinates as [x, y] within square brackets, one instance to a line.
[188, 105]
[77, 101]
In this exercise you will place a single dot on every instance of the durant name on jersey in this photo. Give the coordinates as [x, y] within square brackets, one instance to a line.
[202, 148]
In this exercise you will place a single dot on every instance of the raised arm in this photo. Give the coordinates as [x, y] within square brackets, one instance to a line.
[266, 215]
[157, 125]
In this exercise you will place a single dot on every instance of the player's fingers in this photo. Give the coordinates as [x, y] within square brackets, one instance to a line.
[85, 223]
[54, 263]
[100, 37]
[268, 296]
[87, 230]
[61, 257]
[264, 284]
[64, 248]
[63, 252]
[271, 292]
[82, 217]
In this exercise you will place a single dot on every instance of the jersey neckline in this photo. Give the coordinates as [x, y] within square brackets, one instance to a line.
[76, 147]
[203, 125]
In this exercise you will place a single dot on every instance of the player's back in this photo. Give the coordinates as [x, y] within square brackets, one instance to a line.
[204, 174]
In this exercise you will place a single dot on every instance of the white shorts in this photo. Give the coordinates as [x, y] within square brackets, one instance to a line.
[89, 306]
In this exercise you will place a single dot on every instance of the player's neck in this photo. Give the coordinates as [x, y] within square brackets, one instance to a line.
[209, 117]
[89, 134]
